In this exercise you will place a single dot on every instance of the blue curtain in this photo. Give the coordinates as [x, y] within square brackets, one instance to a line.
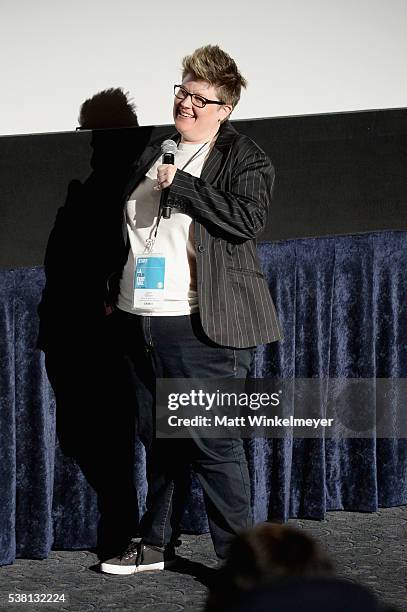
[342, 302]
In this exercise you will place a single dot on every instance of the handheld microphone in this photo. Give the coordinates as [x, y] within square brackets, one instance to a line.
[168, 150]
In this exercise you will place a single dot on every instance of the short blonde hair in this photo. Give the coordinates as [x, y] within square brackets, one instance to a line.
[211, 64]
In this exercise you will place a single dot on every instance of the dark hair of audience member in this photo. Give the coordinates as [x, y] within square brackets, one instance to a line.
[265, 554]
[110, 108]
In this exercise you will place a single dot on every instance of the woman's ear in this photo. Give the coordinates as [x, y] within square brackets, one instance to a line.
[225, 111]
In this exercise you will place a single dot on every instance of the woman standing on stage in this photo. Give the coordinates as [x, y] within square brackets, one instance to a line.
[210, 305]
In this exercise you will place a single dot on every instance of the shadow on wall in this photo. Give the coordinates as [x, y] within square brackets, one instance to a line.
[85, 249]
[110, 108]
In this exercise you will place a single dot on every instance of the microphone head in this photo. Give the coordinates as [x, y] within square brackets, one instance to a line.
[169, 146]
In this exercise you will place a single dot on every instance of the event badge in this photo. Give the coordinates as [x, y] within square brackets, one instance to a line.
[149, 280]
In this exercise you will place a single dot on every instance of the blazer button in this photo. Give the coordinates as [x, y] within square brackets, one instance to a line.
[201, 248]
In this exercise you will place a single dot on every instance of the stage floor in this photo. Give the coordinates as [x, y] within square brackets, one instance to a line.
[368, 548]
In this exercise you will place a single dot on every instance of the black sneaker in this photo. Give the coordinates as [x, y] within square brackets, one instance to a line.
[139, 557]
[154, 558]
[125, 562]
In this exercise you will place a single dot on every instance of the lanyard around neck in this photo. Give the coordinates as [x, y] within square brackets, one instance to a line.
[150, 241]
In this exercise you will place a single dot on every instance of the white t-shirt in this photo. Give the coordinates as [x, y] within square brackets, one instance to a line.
[175, 241]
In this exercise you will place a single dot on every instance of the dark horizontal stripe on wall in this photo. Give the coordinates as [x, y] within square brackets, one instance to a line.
[338, 173]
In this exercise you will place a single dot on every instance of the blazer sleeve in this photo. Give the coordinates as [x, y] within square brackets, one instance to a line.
[240, 212]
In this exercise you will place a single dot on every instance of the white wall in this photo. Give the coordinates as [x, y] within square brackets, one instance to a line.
[299, 56]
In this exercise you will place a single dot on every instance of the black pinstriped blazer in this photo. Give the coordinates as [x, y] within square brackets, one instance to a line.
[229, 205]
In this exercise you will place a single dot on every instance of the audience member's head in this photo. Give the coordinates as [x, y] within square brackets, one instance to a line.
[270, 551]
[275, 567]
[110, 108]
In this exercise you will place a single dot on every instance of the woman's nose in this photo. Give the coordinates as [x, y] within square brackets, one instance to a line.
[186, 102]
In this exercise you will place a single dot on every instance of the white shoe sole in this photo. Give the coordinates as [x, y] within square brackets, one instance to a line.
[151, 567]
[125, 570]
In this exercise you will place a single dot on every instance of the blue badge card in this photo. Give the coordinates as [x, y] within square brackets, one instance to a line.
[149, 280]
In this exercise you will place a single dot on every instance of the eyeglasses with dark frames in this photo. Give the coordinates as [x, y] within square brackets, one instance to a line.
[181, 93]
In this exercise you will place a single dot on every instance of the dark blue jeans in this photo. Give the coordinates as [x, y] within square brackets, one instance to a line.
[177, 347]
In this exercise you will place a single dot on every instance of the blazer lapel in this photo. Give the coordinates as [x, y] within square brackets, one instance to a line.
[212, 166]
[222, 144]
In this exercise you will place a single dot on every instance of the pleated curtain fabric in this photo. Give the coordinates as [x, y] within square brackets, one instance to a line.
[341, 302]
